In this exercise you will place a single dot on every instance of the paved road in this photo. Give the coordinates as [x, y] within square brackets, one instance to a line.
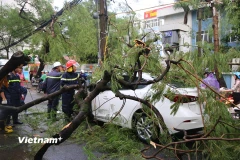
[11, 149]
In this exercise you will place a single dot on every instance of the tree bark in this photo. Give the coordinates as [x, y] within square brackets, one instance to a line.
[16, 60]
[41, 67]
[84, 106]
[216, 44]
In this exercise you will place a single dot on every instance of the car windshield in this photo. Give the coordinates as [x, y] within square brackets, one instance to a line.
[127, 78]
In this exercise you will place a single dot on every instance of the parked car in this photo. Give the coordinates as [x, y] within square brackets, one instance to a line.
[188, 116]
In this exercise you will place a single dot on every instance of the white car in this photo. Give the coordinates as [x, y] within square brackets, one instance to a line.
[188, 117]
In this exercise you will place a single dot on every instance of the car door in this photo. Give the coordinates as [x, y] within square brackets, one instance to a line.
[122, 110]
[106, 106]
[100, 105]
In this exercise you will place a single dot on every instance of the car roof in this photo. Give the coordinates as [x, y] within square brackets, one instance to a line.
[147, 76]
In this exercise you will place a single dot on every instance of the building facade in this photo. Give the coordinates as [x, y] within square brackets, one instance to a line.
[168, 23]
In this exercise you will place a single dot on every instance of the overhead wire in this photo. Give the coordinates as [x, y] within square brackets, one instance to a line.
[71, 4]
[45, 23]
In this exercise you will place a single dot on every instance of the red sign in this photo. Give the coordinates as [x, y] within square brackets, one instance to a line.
[150, 14]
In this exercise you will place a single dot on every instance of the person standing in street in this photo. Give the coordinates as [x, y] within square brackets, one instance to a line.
[43, 76]
[3, 126]
[211, 80]
[51, 85]
[23, 89]
[13, 93]
[70, 77]
[235, 89]
[30, 75]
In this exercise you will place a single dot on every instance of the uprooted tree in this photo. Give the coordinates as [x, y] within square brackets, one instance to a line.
[85, 105]
[220, 137]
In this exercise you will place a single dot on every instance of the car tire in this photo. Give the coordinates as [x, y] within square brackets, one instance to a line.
[145, 128]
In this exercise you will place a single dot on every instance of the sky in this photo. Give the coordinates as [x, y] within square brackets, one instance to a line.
[135, 4]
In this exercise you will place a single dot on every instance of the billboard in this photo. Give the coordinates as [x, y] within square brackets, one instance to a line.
[150, 14]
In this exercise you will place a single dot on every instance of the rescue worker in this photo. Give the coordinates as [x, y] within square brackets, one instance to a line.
[51, 85]
[13, 93]
[3, 115]
[70, 77]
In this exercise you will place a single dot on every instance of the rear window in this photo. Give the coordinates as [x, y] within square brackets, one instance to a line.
[127, 78]
[179, 84]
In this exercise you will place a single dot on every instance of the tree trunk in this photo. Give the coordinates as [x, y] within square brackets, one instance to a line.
[16, 60]
[103, 27]
[186, 17]
[41, 67]
[216, 44]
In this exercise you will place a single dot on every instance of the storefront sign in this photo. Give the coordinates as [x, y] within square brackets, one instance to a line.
[168, 34]
[150, 14]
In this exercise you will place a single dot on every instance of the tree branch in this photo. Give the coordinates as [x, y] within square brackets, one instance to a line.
[85, 106]
[10, 109]
[44, 24]
[22, 11]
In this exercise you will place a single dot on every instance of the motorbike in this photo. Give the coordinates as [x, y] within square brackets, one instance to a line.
[40, 86]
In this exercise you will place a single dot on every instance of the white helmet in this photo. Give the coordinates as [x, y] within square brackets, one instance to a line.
[56, 64]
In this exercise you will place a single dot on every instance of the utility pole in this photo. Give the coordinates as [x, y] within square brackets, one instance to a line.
[199, 40]
[103, 29]
[216, 41]
[215, 27]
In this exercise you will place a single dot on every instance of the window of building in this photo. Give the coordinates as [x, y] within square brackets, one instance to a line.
[205, 37]
[231, 36]
[152, 23]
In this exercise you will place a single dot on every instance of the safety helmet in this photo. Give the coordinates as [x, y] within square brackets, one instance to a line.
[56, 64]
[71, 63]
[237, 74]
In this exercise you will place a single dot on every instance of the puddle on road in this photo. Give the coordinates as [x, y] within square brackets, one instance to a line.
[11, 149]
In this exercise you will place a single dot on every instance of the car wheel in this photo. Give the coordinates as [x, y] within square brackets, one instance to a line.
[145, 127]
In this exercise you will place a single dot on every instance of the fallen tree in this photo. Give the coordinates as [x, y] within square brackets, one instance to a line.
[16, 60]
[137, 60]
[85, 105]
